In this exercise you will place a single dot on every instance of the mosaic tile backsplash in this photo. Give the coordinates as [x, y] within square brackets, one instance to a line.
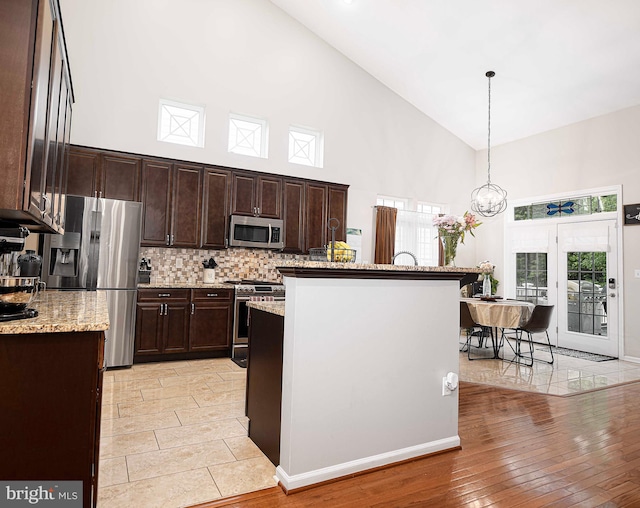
[184, 266]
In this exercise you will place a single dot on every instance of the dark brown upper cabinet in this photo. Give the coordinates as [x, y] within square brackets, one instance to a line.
[156, 197]
[35, 99]
[171, 196]
[338, 210]
[294, 215]
[215, 208]
[257, 195]
[185, 206]
[104, 174]
[315, 215]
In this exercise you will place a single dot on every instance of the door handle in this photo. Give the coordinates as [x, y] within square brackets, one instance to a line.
[193, 308]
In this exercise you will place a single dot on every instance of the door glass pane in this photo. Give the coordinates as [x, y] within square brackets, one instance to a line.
[531, 277]
[587, 292]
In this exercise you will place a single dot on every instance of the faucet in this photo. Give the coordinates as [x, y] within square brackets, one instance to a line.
[415, 259]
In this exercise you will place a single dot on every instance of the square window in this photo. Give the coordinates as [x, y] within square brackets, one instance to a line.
[181, 123]
[248, 136]
[305, 147]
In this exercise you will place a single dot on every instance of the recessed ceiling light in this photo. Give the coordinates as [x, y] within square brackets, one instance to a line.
[348, 1]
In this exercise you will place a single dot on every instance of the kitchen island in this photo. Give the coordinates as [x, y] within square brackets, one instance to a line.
[51, 379]
[364, 352]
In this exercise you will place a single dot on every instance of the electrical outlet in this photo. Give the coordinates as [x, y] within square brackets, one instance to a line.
[445, 390]
[637, 274]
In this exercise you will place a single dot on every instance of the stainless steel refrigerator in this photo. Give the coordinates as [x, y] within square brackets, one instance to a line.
[99, 251]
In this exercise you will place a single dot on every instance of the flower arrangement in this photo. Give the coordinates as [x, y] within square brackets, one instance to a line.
[487, 272]
[486, 267]
[456, 226]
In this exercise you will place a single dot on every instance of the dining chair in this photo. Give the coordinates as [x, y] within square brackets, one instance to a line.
[472, 329]
[537, 323]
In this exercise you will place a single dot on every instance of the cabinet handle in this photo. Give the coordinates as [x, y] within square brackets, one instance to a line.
[162, 309]
[258, 210]
[45, 200]
[167, 240]
[212, 294]
[164, 295]
[100, 194]
[193, 308]
[171, 239]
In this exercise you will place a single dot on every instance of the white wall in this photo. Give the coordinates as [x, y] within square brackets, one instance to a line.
[362, 383]
[248, 56]
[599, 152]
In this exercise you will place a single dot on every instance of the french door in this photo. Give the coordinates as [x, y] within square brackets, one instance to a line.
[572, 266]
[588, 295]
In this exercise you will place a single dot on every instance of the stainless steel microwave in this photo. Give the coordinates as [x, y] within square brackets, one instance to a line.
[256, 232]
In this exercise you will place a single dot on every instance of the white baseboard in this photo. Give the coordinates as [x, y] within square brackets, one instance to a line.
[296, 481]
[632, 359]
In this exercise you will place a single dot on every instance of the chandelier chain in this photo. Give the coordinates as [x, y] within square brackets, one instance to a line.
[489, 137]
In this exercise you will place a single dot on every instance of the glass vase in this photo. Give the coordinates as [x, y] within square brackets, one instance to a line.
[486, 285]
[449, 247]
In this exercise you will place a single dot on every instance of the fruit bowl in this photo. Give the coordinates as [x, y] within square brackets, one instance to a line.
[340, 254]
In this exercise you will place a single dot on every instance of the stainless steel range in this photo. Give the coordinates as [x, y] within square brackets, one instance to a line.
[246, 291]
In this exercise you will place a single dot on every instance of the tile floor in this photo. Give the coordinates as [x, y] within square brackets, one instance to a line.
[174, 434]
[567, 375]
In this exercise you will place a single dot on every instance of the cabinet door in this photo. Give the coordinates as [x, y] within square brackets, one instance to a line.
[243, 195]
[47, 33]
[156, 197]
[293, 214]
[84, 166]
[215, 208]
[149, 328]
[120, 177]
[210, 327]
[338, 210]
[176, 327]
[185, 216]
[316, 215]
[51, 140]
[269, 197]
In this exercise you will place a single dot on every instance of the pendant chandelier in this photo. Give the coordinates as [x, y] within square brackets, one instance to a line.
[489, 199]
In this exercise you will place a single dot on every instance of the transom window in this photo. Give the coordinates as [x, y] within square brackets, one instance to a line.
[181, 123]
[305, 146]
[583, 205]
[248, 136]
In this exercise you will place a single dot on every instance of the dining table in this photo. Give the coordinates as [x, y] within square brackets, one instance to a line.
[499, 313]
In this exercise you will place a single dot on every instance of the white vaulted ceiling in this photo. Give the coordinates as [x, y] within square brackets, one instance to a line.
[556, 61]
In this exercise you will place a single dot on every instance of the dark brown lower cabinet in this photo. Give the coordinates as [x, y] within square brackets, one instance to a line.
[211, 316]
[176, 324]
[264, 382]
[50, 405]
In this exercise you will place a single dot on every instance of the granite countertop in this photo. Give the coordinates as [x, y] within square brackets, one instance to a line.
[63, 311]
[180, 285]
[327, 265]
[326, 269]
[271, 307]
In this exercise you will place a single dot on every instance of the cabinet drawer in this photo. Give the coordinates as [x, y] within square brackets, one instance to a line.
[208, 294]
[145, 295]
